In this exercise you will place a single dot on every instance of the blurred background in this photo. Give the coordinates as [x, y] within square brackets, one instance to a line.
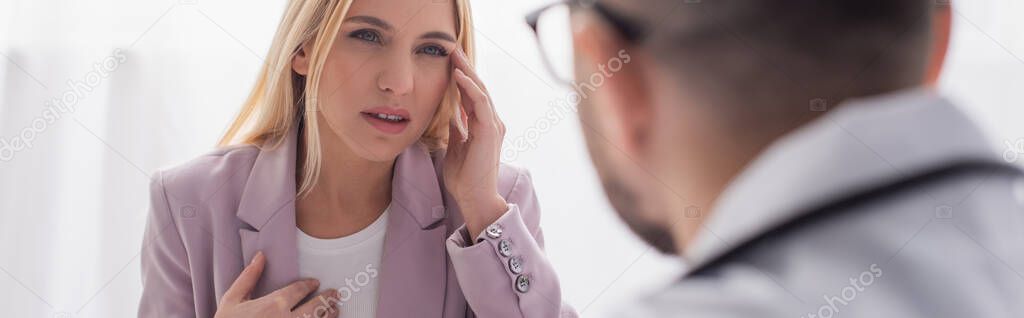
[102, 93]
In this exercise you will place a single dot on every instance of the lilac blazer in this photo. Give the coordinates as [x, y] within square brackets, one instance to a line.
[210, 216]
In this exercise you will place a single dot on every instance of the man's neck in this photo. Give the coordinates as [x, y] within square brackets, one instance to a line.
[704, 171]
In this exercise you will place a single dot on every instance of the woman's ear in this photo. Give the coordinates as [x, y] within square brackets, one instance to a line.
[300, 61]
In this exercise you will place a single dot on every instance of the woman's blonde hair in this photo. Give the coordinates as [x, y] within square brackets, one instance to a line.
[278, 101]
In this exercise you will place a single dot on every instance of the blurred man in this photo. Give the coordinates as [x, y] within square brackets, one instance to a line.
[796, 155]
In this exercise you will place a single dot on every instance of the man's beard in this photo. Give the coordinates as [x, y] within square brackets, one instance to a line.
[623, 200]
[627, 207]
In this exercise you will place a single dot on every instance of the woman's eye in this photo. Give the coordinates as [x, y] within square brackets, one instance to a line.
[366, 35]
[434, 50]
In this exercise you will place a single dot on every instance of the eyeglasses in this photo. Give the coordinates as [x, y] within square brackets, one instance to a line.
[552, 29]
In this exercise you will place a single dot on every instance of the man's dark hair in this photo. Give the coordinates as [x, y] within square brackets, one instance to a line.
[779, 62]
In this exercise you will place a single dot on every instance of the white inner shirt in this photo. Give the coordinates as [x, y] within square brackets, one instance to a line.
[350, 264]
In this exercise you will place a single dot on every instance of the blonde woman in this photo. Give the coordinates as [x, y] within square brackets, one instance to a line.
[352, 183]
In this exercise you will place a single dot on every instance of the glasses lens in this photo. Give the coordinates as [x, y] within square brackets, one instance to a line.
[555, 35]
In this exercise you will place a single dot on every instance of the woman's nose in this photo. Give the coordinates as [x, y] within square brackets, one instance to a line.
[397, 76]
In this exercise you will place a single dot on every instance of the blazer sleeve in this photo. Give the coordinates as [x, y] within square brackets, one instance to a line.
[505, 272]
[166, 282]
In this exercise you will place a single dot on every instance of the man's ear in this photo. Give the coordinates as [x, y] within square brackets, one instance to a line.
[941, 26]
[300, 61]
[622, 93]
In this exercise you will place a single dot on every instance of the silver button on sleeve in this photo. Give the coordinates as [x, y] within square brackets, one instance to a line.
[515, 265]
[494, 231]
[522, 284]
[505, 248]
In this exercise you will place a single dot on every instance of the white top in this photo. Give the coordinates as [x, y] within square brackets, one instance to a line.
[349, 264]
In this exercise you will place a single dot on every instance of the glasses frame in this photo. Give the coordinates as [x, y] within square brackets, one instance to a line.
[630, 31]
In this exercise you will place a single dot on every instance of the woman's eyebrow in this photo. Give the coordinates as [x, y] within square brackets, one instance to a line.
[375, 21]
[378, 22]
[438, 35]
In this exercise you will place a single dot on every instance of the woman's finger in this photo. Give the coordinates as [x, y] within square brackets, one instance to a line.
[324, 305]
[455, 138]
[483, 121]
[462, 63]
[470, 71]
[470, 94]
[479, 109]
[459, 120]
[454, 153]
[292, 294]
[243, 285]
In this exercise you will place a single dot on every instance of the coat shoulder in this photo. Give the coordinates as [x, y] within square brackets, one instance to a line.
[205, 179]
[513, 178]
[516, 186]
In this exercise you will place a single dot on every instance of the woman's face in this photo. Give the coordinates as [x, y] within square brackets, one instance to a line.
[386, 74]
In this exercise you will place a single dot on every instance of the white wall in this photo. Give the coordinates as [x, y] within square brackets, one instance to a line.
[72, 207]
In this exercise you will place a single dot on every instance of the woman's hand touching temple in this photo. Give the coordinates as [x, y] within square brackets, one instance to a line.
[471, 163]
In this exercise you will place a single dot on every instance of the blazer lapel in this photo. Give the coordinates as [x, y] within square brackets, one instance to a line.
[267, 205]
[414, 267]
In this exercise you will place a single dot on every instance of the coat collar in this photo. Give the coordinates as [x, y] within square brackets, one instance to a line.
[863, 144]
[413, 273]
[270, 188]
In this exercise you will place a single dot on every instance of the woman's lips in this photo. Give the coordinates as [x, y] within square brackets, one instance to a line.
[388, 120]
